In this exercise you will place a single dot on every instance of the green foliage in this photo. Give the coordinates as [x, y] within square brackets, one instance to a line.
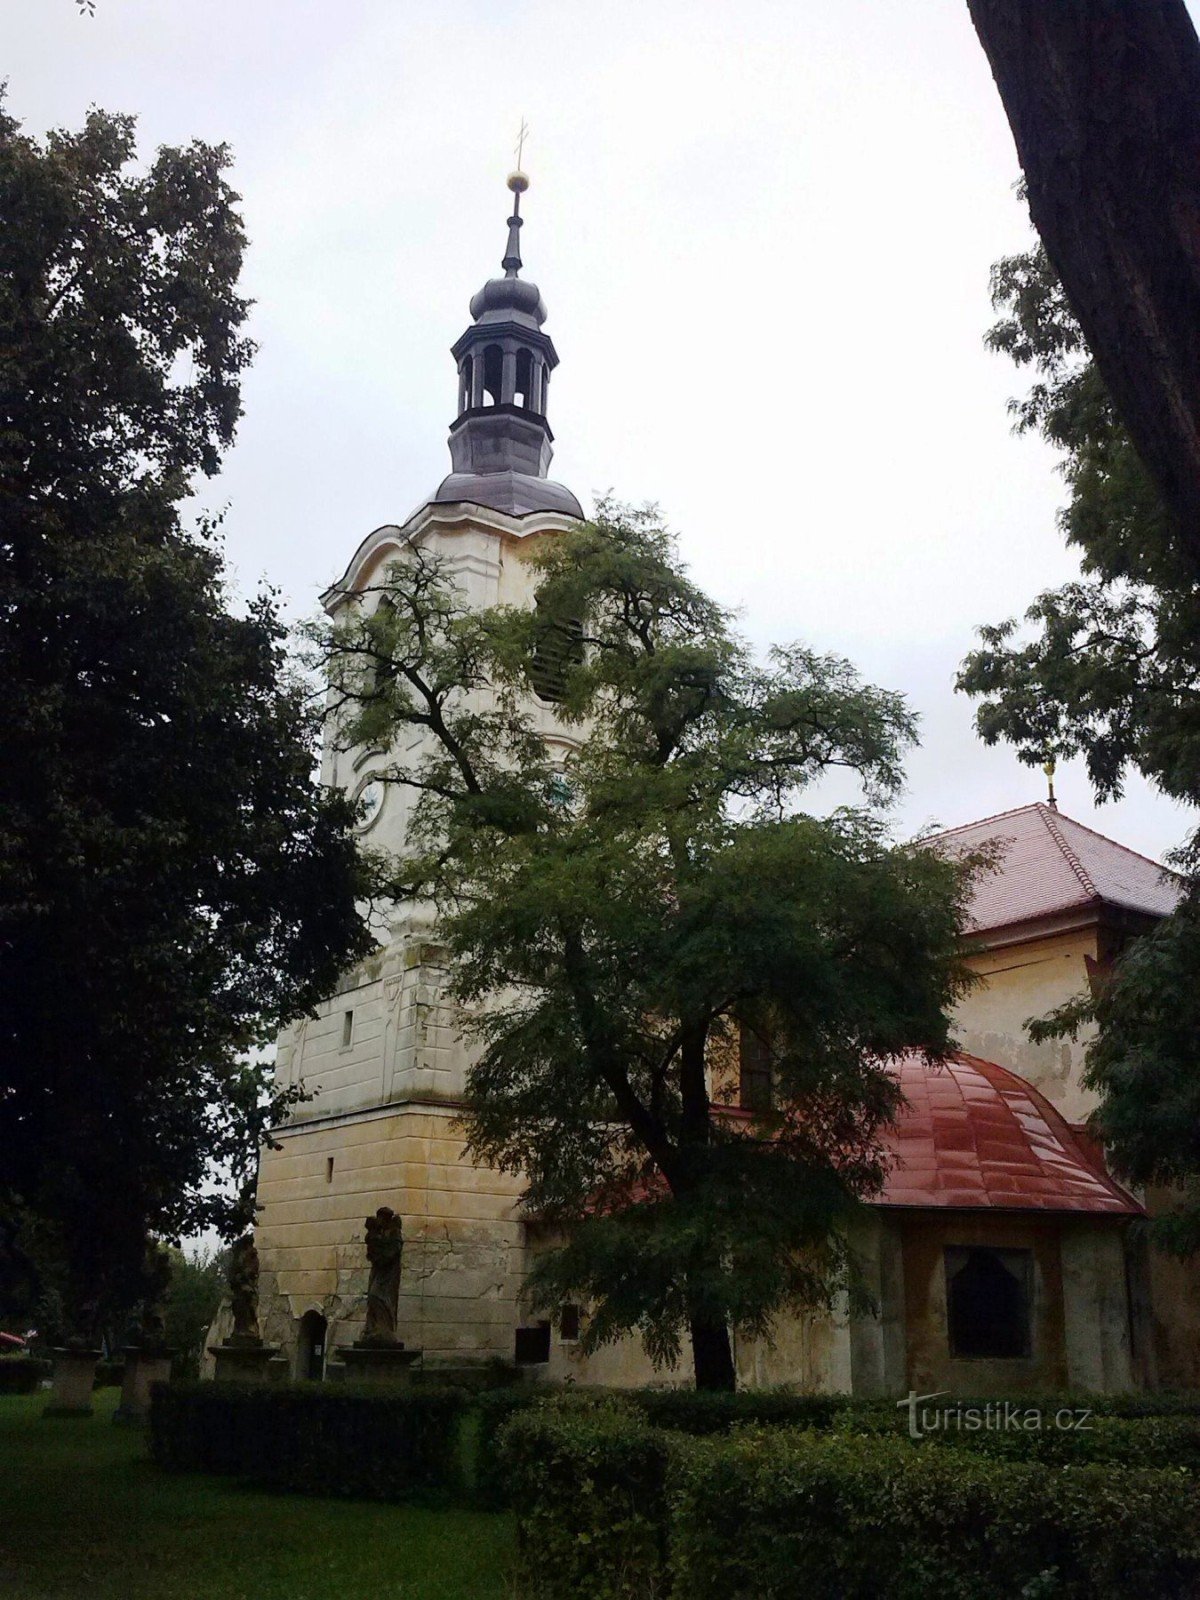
[1114, 669]
[588, 1484]
[1143, 1064]
[488, 1480]
[616, 915]
[1111, 673]
[173, 884]
[195, 1291]
[774, 1514]
[312, 1439]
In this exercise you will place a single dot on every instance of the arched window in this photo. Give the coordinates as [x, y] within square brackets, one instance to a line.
[523, 395]
[382, 667]
[465, 374]
[988, 1301]
[493, 374]
[310, 1363]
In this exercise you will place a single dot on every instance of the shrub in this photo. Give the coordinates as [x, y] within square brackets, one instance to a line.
[486, 1475]
[699, 1413]
[23, 1374]
[1123, 1441]
[1145, 1441]
[315, 1440]
[587, 1484]
[773, 1514]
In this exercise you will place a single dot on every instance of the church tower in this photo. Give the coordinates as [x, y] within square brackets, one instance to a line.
[382, 1059]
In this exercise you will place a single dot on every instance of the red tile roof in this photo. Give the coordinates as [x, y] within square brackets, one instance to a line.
[1049, 864]
[974, 1136]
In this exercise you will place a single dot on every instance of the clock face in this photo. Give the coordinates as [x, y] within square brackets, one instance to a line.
[370, 802]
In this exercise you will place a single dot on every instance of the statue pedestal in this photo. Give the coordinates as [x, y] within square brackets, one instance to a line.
[377, 1363]
[142, 1369]
[249, 1362]
[71, 1388]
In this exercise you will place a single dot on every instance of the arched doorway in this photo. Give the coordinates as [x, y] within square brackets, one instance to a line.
[311, 1354]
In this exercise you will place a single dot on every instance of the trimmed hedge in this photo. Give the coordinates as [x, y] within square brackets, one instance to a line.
[1136, 1430]
[23, 1374]
[775, 1515]
[697, 1413]
[312, 1440]
[391, 1445]
[612, 1508]
[486, 1473]
[588, 1483]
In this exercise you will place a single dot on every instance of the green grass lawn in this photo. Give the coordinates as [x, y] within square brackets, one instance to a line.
[84, 1513]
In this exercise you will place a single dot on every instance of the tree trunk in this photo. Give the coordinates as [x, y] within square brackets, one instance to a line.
[1103, 98]
[712, 1355]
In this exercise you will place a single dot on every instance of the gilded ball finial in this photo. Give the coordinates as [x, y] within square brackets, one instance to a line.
[518, 182]
[1050, 768]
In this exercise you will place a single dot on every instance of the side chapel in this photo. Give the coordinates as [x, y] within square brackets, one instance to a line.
[1002, 1254]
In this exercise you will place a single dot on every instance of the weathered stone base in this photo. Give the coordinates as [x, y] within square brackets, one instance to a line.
[245, 1363]
[379, 1364]
[143, 1368]
[71, 1389]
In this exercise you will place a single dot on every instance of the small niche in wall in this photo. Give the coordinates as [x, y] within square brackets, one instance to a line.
[347, 1029]
[328, 1169]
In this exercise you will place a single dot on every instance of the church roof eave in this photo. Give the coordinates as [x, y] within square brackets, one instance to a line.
[451, 516]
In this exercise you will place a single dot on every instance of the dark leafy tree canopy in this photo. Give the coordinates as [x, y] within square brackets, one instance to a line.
[1112, 672]
[617, 915]
[173, 883]
[1108, 667]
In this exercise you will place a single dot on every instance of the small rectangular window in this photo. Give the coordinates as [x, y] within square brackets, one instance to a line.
[754, 1071]
[989, 1300]
[347, 1028]
[328, 1169]
[568, 1324]
[532, 1345]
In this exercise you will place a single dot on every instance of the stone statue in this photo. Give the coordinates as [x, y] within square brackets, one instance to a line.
[385, 1246]
[151, 1333]
[243, 1291]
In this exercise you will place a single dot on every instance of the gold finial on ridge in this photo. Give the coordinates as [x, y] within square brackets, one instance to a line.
[1050, 768]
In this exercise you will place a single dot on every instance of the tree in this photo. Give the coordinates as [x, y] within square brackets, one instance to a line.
[173, 884]
[619, 923]
[1112, 674]
[194, 1294]
[1103, 97]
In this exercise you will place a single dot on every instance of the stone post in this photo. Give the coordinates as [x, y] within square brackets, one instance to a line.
[143, 1368]
[71, 1388]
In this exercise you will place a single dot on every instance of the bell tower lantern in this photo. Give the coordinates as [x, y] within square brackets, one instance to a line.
[500, 441]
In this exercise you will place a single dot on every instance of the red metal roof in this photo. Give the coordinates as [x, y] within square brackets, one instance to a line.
[975, 1136]
[1050, 863]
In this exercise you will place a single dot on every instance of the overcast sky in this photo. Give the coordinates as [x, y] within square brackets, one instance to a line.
[763, 232]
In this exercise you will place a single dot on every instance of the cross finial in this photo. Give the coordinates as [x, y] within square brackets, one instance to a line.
[518, 183]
